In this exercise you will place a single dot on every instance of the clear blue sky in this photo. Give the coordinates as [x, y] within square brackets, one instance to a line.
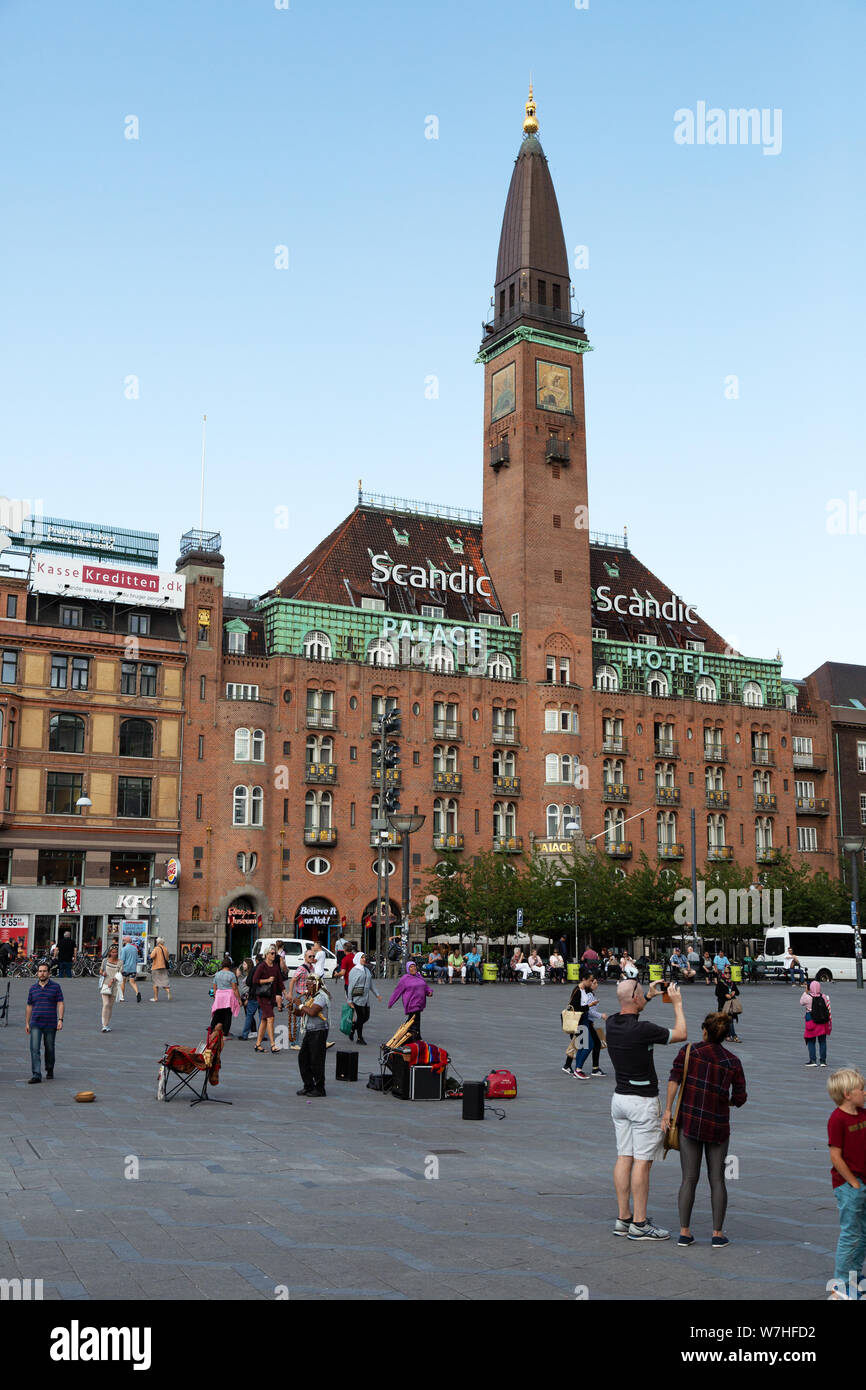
[305, 127]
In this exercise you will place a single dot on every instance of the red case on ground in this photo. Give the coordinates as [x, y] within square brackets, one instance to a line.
[501, 1085]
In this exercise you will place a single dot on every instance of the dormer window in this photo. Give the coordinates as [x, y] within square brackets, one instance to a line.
[401, 537]
[456, 544]
[375, 605]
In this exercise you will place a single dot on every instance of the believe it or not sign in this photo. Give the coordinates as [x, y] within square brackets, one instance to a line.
[108, 583]
[317, 915]
[70, 900]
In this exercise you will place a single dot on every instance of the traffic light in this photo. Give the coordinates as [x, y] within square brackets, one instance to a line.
[392, 755]
[391, 800]
[391, 722]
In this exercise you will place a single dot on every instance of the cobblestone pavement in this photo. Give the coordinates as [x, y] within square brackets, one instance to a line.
[328, 1198]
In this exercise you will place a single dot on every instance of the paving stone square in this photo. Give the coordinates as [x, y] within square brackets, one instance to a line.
[328, 1199]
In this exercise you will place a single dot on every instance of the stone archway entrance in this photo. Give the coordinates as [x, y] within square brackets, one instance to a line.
[243, 925]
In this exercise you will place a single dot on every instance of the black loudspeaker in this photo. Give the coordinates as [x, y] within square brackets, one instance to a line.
[426, 1084]
[473, 1100]
[400, 1072]
[347, 1066]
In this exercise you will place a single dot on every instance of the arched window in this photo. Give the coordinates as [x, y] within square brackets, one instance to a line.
[317, 646]
[444, 816]
[258, 743]
[444, 758]
[242, 745]
[504, 819]
[441, 658]
[551, 767]
[666, 775]
[705, 689]
[657, 685]
[380, 652]
[241, 805]
[318, 807]
[763, 833]
[613, 771]
[761, 781]
[552, 822]
[499, 667]
[614, 826]
[565, 768]
[606, 678]
[570, 816]
[195, 915]
[136, 738]
[715, 779]
[752, 693]
[716, 826]
[666, 828]
[504, 763]
[65, 733]
[257, 799]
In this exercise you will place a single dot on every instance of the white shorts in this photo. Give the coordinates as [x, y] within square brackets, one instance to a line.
[637, 1121]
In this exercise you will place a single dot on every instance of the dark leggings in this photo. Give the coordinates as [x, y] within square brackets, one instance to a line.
[362, 1013]
[223, 1016]
[690, 1162]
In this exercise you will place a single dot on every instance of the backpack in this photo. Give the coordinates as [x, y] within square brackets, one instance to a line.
[818, 1009]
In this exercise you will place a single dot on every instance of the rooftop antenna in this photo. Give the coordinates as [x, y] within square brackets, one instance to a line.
[201, 499]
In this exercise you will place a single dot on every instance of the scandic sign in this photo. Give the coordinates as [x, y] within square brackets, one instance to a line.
[462, 581]
[150, 588]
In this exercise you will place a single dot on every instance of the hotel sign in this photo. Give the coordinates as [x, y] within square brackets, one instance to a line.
[673, 610]
[554, 846]
[462, 581]
[108, 583]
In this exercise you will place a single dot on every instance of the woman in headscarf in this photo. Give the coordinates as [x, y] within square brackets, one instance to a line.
[818, 1023]
[358, 988]
[413, 990]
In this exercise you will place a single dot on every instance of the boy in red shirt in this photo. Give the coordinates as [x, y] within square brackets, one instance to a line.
[846, 1132]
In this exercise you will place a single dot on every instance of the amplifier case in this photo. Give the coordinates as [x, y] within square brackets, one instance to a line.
[347, 1066]
[473, 1100]
[426, 1084]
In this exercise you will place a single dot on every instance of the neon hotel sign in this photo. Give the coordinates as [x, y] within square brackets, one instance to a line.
[462, 581]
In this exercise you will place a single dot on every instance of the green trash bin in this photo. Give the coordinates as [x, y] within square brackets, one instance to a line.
[489, 972]
[656, 972]
[737, 974]
[572, 972]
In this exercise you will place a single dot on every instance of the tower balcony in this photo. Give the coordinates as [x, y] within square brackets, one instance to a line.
[314, 835]
[667, 748]
[715, 753]
[392, 777]
[499, 454]
[451, 729]
[764, 757]
[816, 761]
[505, 733]
[558, 451]
[718, 800]
[527, 309]
[508, 844]
[614, 745]
[451, 841]
[321, 718]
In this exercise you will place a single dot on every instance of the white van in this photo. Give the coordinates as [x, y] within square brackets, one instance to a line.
[295, 948]
[826, 952]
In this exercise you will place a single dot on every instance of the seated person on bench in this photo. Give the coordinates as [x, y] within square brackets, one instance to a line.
[436, 966]
[556, 965]
[680, 966]
[536, 966]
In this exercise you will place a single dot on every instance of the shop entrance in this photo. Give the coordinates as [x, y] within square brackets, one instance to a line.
[243, 926]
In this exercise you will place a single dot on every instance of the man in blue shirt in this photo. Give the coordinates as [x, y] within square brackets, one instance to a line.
[473, 965]
[43, 1017]
[129, 966]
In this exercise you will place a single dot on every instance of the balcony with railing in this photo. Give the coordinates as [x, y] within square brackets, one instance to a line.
[766, 801]
[392, 838]
[667, 796]
[508, 844]
[444, 841]
[816, 761]
[615, 791]
[509, 785]
[499, 454]
[667, 748]
[765, 757]
[768, 855]
[316, 835]
[618, 849]
[320, 774]
[447, 728]
[557, 451]
[671, 851]
[531, 309]
[614, 745]
[447, 781]
[813, 806]
[393, 777]
[321, 718]
[720, 854]
[715, 752]
[718, 800]
[505, 733]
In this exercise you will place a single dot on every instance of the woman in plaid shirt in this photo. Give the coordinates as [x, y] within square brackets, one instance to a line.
[714, 1082]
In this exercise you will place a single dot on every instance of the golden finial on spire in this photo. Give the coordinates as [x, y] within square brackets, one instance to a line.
[530, 124]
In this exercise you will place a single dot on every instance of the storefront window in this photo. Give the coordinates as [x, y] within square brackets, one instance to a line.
[130, 870]
[43, 933]
[65, 866]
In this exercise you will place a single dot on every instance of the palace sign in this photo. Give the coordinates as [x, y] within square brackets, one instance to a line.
[473, 638]
[462, 581]
[79, 579]
[673, 610]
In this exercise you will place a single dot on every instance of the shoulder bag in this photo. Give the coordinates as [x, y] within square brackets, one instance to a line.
[571, 1019]
[672, 1136]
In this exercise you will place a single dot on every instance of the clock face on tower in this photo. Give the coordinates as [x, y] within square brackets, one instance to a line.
[553, 386]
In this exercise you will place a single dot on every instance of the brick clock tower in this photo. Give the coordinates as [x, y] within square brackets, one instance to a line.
[536, 537]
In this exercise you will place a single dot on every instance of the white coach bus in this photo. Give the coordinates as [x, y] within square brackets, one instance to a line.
[826, 952]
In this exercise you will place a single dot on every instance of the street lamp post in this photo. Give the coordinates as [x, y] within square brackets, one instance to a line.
[853, 845]
[405, 823]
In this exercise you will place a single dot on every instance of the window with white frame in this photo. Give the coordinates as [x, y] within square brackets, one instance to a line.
[647, 639]
[705, 689]
[444, 758]
[318, 806]
[791, 701]
[444, 816]
[380, 652]
[499, 667]
[715, 779]
[551, 721]
[763, 833]
[373, 605]
[599, 634]
[614, 826]
[666, 828]
[863, 808]
[559, 817]
[489, 620]
[613, 772]
[242, 747]
[241, 692]
[761, 782]
[504, 763]
[805, 789]
[258, 746]
[237, 643]
[693, 645]
[861, 756]
[241, 802]
[606, 678]
[666, 775]
[441, 658]
[431, 610]
[504, 819]
[558, 767]
[807, 839]
[752, 693]
[657, 685]
[716, 826]
[317, 646]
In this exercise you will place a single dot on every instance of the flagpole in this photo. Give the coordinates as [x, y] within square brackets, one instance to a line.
[201, 499]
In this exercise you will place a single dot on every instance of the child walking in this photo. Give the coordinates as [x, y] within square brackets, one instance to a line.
[846, 1131]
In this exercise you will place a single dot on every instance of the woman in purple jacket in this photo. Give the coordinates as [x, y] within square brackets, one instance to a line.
[413, 990]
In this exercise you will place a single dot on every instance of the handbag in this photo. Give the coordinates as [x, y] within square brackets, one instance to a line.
[347, 1020]
[571, 1019]
[264, 990]
[672, 1134]
[732, 1007]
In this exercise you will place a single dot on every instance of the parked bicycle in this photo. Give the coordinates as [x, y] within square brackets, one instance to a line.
[205, 964]
[85, 965]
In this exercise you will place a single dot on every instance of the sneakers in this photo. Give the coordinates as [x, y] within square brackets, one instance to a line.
[581, 1075]
[597, 1071]
[719, 1242]
[621, 1227]
[49, 1076]
[811, 1064]
[304, 1091]
[686, 1240]
[822, 1064]
[106, 1030]
[34, 1081]
[647, 1231]
[566, 1069]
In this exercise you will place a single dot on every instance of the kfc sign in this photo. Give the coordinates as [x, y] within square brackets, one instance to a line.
[70, 900]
